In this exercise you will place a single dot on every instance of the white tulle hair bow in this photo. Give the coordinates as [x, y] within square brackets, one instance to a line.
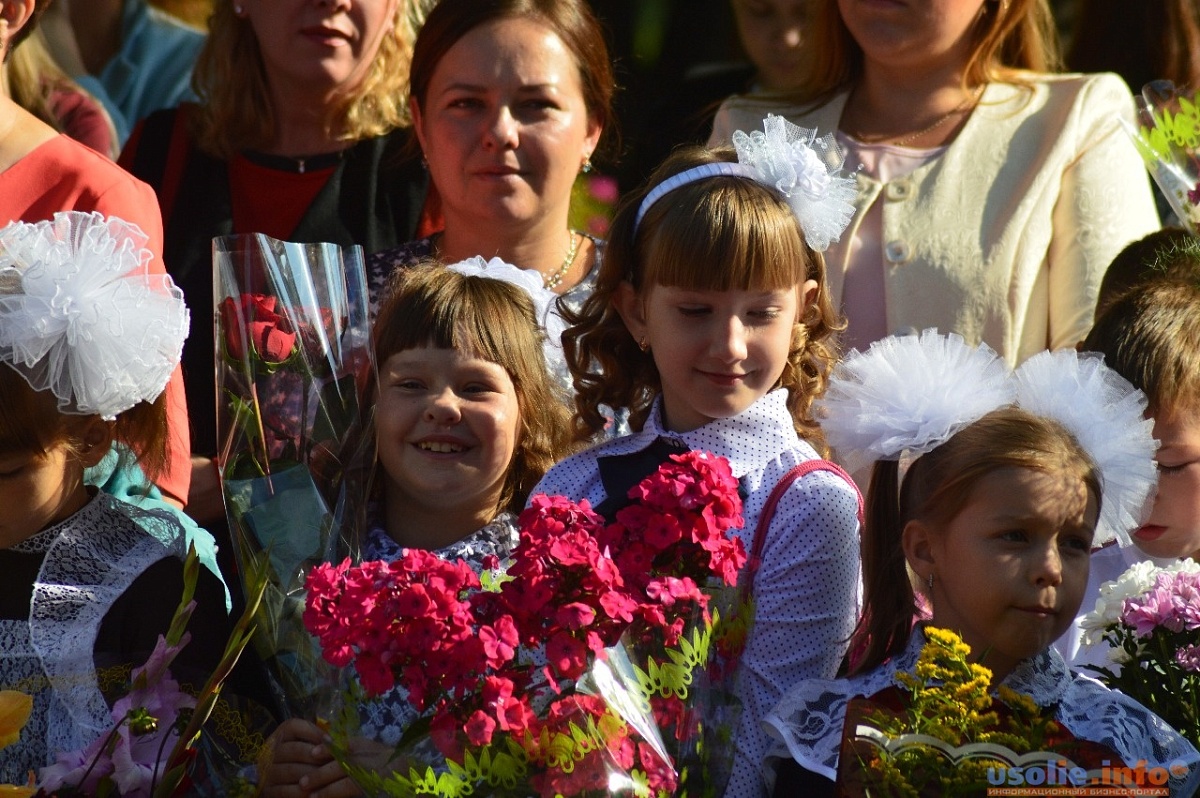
[82, 317]
[804, 168]
[531, 282]
[1107, 416]
[907, 395]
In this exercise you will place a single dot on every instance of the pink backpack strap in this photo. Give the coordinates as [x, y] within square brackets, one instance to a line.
[768, 511]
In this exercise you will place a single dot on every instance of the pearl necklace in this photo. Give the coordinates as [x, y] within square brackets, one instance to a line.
[962, 107]
[552, 281]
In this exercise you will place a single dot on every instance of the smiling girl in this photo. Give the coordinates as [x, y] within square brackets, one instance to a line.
[467, 420]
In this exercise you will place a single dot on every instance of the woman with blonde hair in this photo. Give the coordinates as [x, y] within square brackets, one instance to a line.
[992, 193]
[301, 134]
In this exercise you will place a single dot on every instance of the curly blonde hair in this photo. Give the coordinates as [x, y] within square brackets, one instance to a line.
[236, 112]
[719, 233]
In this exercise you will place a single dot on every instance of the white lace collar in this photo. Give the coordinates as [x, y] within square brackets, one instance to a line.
[749, 441]
[807, 724]
[40, 542]
[95, 556]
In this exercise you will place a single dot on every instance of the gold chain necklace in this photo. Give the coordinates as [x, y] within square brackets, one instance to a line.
[552, 281]
[962, 107]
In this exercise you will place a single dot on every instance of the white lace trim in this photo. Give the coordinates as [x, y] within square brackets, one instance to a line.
[807, 724]
[96, 556]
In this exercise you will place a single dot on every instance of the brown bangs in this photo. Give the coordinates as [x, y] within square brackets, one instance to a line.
[428, 305]
[721, 234]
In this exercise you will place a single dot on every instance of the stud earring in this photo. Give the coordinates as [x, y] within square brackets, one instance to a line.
[238, 11]
[643, 344]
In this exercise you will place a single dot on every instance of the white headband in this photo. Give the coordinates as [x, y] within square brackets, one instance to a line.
[81, 316]
[907, 395]
[791, 159]
[691, 176]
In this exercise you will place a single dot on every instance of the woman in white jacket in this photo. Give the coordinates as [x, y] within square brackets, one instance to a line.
[992, 194]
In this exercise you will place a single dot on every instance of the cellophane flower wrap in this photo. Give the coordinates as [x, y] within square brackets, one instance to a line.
[1167, 135]
[945, 732]
[293, 367]
[583, 669]
[1149, 618]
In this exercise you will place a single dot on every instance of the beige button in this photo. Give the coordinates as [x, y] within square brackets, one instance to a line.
[899, 190]
[897, 251]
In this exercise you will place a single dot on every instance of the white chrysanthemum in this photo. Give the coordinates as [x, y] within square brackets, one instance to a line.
[1137, 580]
[1107, 415]
[909, 394]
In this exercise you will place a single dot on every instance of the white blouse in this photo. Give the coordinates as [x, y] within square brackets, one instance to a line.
[807, 586]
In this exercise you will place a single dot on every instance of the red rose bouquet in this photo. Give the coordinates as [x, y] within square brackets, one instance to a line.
[584, 672]
[293, 364]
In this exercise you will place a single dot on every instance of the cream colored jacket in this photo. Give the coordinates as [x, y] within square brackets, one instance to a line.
[1004, 237]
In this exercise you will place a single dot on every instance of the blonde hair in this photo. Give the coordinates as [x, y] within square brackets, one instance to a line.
[718, 233]
[430, 305]
[1011, 37]
[236, 113]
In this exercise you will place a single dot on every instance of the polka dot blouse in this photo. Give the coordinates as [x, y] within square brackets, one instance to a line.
[807, 586]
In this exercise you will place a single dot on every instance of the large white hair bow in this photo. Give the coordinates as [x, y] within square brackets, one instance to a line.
[804, 168]
[907, 395]
[81, 316]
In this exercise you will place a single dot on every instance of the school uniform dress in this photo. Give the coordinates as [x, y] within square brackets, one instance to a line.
[84, 596]
[806, 588]
[806, 727]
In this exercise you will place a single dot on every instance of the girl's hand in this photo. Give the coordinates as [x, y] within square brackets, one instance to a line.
[302, 766]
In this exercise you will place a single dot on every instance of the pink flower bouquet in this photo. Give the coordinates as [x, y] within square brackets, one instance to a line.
[585, 671]
[1150, 620]
[293, 365]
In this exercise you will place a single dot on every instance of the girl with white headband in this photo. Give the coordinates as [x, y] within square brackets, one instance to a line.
[1012, 478]
[711, 323]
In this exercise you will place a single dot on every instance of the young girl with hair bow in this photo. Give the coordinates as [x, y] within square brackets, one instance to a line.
[712, 324]
[88, 340]
[1012, 478]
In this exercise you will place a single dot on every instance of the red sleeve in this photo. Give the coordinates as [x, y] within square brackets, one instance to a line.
[135, 202]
